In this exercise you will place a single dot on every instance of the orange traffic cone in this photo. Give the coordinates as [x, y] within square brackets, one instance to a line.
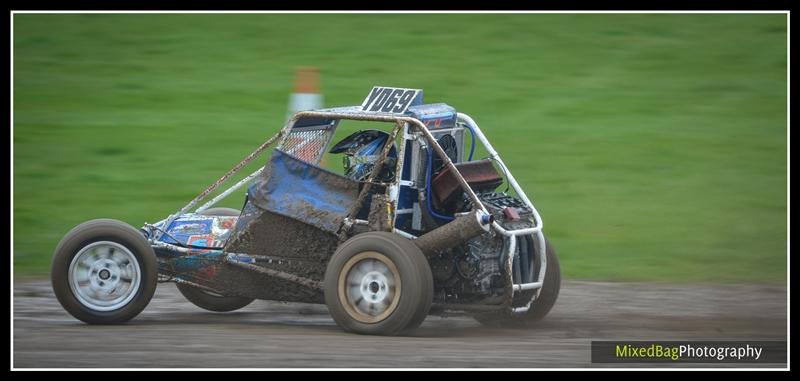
[306, 95]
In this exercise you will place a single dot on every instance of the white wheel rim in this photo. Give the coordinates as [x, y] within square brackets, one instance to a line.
[104, 276]
[369, 287]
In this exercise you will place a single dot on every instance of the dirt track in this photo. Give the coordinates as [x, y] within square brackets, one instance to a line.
[173, 333]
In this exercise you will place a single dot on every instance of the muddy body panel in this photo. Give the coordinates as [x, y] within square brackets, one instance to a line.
[289, 224]
[305, 192]
[228, 279]
[285, 244]
[264, 239]
[293, 213]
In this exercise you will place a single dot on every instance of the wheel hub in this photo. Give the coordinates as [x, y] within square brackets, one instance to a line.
[369, 287]
[374, 287]
[104, 276]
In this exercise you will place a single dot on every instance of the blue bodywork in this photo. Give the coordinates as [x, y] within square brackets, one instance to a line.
[305, 192]
[199, 231]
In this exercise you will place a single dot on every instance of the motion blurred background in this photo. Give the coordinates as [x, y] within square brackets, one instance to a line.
[654, 145]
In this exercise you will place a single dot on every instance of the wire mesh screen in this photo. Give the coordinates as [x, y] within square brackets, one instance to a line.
[307, 144]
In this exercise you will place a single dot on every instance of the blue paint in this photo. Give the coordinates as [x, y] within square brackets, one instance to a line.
[196, 261]
[303, 191]
[472, 145]
[444, 115]
[186, 226]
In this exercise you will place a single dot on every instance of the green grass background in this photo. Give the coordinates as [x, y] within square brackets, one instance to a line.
[654, 146]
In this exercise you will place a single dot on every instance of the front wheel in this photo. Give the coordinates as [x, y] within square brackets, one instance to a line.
[378, 283]
[104, 272]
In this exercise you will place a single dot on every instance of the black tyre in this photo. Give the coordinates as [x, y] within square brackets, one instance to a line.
[104, 272]
[378, 283]
[541, 306]
[211, 301]
[208, 300]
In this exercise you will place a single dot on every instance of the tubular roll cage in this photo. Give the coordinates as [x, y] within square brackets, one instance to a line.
[401, 122]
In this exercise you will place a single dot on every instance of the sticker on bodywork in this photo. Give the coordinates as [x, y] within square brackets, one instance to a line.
[199, 230]
[391, 100]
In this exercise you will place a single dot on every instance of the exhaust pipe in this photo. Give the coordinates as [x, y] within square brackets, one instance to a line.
[460, 230]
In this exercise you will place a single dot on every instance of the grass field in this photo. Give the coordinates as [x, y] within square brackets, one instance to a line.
[653, 145]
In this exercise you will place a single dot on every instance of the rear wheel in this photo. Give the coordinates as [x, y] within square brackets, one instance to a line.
[104, 272]
[208, 300]
[541, 306]
[378, 283]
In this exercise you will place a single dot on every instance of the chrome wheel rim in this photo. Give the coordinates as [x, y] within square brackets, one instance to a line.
[369, 287]
[104, 276]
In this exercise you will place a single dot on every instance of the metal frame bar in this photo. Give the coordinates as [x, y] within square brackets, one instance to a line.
[198, 285]
[230, 190]
[277, 274]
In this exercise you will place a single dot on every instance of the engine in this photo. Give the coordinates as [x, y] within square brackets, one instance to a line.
[473, 272]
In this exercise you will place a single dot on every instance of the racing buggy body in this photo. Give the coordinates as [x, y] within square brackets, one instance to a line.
[415, 226]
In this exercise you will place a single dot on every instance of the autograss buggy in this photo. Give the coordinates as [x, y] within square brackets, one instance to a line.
[414, 227]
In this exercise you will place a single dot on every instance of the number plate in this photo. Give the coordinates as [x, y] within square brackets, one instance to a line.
[390, 99]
